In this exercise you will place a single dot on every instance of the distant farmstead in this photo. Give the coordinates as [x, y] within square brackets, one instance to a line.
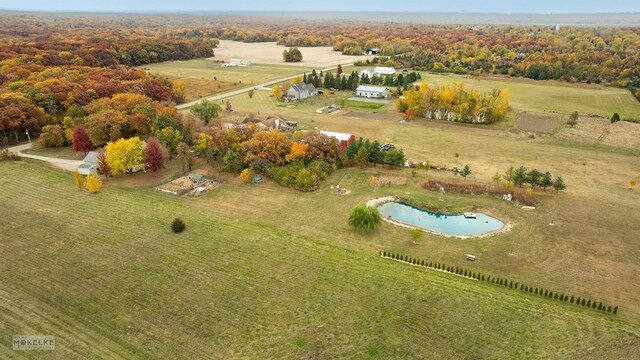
[343, 139]
[238, 62]
[301, 91]
[372, 91]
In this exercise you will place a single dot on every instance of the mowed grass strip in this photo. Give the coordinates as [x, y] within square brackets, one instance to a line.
[236, 286]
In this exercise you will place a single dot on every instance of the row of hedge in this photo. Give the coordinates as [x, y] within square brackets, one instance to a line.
[501, 282]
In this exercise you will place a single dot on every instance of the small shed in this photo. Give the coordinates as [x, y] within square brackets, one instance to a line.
[197, 178]
[89, 164]
[372, 91]
[343, 139]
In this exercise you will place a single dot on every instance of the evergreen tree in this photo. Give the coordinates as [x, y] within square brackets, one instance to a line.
[615, 310]
[600, 306]
[520, 176]
[609, 308]
[572, 299]
[558, 184]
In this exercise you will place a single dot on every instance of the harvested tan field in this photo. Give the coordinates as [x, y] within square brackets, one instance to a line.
[601, 131]
[271, 53]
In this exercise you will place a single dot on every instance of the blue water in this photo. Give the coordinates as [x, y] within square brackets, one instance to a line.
[456, 225]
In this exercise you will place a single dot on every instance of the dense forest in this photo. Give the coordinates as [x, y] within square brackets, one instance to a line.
[54, 67]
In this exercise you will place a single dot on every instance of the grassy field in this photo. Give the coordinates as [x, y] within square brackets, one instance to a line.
[267, 272]
[203, 77]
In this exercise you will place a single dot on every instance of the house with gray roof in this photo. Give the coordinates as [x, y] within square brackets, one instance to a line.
[301, 91]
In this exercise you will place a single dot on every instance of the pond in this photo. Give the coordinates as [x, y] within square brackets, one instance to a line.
[473, 224]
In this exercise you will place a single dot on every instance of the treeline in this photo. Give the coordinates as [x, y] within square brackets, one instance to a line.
[362, 152]
[498, 281]
[341, 81]
[301, 161]
[455, 103]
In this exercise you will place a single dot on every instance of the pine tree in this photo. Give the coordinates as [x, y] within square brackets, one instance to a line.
[583, 302]
[593, 305]
[572, 299]
[555, 297]
[609, 308]
[615, 310]
[531, 290]
[589, 303]
[536, 292]
[546, 292]
[600, 306]
[511, 284]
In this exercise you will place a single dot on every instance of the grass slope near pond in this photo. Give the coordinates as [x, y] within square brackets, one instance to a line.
[106, 276]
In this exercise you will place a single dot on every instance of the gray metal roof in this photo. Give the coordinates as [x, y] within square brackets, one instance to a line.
[91, 158]
[378, 89]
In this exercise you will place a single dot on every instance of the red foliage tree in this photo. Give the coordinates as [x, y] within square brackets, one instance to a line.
[339, 71]
[153, 160]
[103, 166]
[81, 140]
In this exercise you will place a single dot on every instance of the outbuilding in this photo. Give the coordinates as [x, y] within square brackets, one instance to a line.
[372, 91]
[343, 139]
[89, 164]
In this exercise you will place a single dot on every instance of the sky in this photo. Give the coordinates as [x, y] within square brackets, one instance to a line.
[486, 6]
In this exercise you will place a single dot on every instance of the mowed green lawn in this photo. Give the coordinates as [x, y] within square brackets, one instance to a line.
[268, 272]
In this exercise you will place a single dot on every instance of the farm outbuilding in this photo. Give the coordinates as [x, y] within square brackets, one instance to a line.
[343, 139]
[89, 164]
[372, 91]
[383, 70]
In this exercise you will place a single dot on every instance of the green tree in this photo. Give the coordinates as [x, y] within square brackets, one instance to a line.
[546, 181]
[362, 157]
[558, 184]
[170, 138]
[615, 118]
[364, 218]
[232, 161]
[534, 177]
[375, 152]
[251, 93]
[509, 174]
[466, 171]
[496, 177]
[292, 55]
[206, 110]
[520, 176]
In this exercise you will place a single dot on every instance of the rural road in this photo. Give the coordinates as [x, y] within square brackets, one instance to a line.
[244, 90]
[69, 165]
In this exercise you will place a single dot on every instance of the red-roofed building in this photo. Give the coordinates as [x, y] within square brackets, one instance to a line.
[343, 139]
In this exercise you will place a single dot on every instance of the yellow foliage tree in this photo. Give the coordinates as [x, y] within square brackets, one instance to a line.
[297, 79]
[124, 155]
[277, 92]
[268, 145]
[77, 179]
[179, 90]
[246, 175]
[93, 183]
[298, 152]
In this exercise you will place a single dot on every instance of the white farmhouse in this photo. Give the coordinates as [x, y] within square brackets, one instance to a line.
[372, 91]
[301, 91]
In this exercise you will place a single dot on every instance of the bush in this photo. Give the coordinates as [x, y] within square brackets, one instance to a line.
[177, 225]
[364, 218]
[6, 155]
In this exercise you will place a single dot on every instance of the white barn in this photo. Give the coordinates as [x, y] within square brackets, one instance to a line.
[381, 70]
[372, 91]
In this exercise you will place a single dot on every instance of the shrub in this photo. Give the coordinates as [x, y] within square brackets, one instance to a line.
[177, 225]
[6, 155]
[93, 183]
[416, 233]
[364, 218]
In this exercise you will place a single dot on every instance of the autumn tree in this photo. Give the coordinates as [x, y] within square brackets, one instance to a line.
[78, 180]
[93, 183]
[170, 138]
[81, 140]
[206, 110]
[298, 152]
[186, 157]
[251, 93]
[18, 113]
[277, 93]
[103, 165]
[105, 126]
[227, 107]
[51, 136]
[179, 91]
[153, 155]
[269, 145]
[124, 155]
